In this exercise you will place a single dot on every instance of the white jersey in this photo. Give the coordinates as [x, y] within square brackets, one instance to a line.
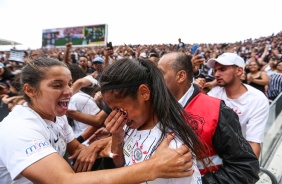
[140, 145]
[84, 103]
[252, 108]
[26, 138]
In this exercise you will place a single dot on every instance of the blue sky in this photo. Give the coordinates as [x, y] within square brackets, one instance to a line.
[144, 22]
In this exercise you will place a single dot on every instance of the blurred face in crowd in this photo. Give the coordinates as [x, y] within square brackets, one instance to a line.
[89, 64]
[98, 66]
[61, 56]
[253, 66]
[35, 54]
[243, 76]
[83, 61]
[272, 62]
[279, 67]
[227, 75]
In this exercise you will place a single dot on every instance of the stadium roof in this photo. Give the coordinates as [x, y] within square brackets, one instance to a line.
[8, 42]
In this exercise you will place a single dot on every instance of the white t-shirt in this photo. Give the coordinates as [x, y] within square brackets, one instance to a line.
[84, 103]
[138, 146]
[26, 138]
[252, 108]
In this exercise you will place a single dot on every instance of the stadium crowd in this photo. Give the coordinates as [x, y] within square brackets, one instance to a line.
[100, 93]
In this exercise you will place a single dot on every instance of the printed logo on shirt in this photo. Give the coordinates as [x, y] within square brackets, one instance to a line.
[237, 111]
[198, 180]
[36, 147]
[137, 153]
[128, 147]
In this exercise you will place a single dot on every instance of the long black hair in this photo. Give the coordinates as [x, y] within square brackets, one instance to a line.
[126, 75]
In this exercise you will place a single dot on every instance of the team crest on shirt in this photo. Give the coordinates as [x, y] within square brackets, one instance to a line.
[137, 153]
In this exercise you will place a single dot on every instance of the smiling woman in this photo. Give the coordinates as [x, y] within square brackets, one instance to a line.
[47, 87]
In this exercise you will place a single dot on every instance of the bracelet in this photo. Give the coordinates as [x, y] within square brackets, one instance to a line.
[80, 139]
[107, 109]
[197, 74]
[113, 155]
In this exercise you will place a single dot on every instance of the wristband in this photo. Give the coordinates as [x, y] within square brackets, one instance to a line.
[197, 74]
[80, 139]
[113, 155]
[107, 109]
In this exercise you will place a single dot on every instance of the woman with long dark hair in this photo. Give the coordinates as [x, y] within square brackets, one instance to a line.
[35, 136]
[136, 90]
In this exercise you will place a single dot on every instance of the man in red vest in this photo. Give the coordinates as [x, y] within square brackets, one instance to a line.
[216, 124]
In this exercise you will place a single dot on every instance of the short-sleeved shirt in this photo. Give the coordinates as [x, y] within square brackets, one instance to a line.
[252, 108]
[26, 138]
[139, 145]
[84, 103]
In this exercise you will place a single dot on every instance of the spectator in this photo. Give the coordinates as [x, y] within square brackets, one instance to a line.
[43, 135]
[250, 104]
[216, 125]
[275, 83]
[83, 63]
[181, 45]
[98, 63]
[5, 74]
[270, 68]
[4, 110]
[81, 102]
[257, 78]
[154, 56]
[90, 68]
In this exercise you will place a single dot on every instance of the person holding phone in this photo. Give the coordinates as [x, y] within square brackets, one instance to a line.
[108, 53]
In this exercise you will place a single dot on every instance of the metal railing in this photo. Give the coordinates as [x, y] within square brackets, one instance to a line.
[272, 136]
[272, 129]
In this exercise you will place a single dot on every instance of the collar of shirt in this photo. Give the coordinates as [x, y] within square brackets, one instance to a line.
[183, 100]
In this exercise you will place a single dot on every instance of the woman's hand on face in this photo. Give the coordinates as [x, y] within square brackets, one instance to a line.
[116, 121]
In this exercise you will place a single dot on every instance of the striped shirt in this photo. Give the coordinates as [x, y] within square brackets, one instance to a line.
[274, 86]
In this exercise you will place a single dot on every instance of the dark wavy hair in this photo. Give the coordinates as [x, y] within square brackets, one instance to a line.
[169, 112]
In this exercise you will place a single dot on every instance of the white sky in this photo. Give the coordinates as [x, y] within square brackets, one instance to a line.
[144, 21]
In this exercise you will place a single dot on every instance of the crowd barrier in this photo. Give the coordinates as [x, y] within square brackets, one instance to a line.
[272, 137]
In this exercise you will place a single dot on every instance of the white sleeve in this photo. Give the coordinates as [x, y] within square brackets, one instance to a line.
[93, 81]
[196, 177]
[256, 125]
[213, 92]
[23, 145]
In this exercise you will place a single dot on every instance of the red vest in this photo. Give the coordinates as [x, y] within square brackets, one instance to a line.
[205, 113]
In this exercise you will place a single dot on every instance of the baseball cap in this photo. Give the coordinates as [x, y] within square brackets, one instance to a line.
[227, 59]
[143, 55]
[1, 65]
[98, 60]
